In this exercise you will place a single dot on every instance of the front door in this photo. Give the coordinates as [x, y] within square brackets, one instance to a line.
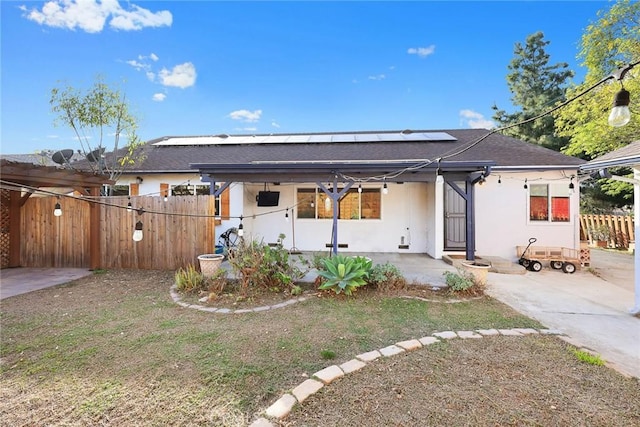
[455, 219]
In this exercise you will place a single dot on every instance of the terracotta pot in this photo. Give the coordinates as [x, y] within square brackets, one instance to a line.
[210, 263]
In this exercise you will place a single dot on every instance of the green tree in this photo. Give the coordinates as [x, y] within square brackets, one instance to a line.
[607, 44]
[536, 86]
[101, 120]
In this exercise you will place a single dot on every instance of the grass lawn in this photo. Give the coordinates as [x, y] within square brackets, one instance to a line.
[113, 349]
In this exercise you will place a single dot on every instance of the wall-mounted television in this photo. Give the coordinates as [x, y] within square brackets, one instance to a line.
[268, 198]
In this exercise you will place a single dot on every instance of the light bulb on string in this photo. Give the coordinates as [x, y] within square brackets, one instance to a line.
[327, 203]
[360, 188]
[129, 206]
[571, 186]
[385, 189]
[57, 210]
[620, 114]
[240, 228]
[286, 215]
[499, 179]
[137, 232]
[525, 184]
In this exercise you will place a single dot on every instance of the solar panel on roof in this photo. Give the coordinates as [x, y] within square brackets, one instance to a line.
[309, 138]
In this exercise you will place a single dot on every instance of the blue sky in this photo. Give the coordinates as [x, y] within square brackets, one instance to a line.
[202, 67]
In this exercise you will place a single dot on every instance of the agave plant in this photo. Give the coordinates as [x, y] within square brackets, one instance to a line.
[344, 274]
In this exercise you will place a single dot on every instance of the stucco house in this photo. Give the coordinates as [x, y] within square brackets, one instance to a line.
[628, 155]
[470, 191]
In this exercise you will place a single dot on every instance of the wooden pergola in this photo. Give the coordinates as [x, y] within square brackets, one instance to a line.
[19, 181]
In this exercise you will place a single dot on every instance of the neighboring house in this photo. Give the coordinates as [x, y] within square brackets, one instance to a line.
[626, 156]
[466, 190]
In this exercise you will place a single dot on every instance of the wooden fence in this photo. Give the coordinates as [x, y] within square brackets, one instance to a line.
[175, 232]
[616, 230]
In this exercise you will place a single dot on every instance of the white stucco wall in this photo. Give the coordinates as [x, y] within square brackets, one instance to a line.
[404, 214]
[410, 210]
[502, 215]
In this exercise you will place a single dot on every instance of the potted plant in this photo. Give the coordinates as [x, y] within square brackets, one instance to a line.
[599, 236]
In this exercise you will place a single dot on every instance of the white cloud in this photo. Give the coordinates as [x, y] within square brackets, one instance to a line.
[137, 65]
[246, 115]
[475, 120]
[422, 52]
[150, 75]
[154, 57]
[182, 76]
[91, 15]
[378, 77]
[275, 125]
[159, 97]
[138, 18]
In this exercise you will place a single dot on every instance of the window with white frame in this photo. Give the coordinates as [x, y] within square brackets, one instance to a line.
[312, 203]
[549, 202]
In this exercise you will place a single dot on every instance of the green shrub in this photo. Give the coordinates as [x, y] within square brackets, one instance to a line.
[386, 277]
[258, 265]
[344, 274]
[189, 279]
[460, 281]
[216, 283]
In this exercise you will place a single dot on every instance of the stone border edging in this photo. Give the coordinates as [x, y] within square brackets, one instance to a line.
[285, 404]
[175, 296]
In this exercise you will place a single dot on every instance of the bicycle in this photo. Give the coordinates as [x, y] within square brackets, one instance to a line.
[229, 240]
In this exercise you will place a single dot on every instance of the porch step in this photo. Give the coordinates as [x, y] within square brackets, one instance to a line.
[498, 265]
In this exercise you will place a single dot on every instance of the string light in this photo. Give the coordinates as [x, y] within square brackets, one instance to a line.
[327, 203]
[571, 186]
[360, 188]
[137, 232]
[57, 211]
[385, 189]
[525, 184]
[499, 179]
[240, 228]
[129, 206]
[286, 215]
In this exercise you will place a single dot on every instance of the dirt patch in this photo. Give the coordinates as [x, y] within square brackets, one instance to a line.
[531, 380]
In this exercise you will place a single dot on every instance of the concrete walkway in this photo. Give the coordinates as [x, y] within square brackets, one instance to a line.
[592, 311]
[16, 281]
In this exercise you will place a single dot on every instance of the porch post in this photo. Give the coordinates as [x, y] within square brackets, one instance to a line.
[470, 228]
[636, 226]
[15, 225]
[335, 198]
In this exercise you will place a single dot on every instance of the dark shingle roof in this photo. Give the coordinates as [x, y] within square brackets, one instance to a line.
[505, 151]
[627, 155]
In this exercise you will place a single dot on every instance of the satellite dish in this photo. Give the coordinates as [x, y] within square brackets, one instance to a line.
[61, 157]
[95, 155]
